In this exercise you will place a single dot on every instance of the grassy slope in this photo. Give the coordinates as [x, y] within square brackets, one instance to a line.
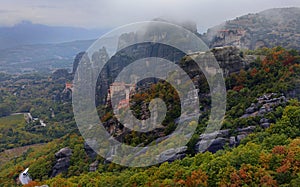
[13, 134]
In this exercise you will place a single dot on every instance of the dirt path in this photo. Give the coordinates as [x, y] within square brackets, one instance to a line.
[10, 154]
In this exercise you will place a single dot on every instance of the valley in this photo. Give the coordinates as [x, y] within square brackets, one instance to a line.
[258, 143]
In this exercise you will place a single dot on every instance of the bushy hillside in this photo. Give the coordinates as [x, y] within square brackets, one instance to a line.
[44, 99]
[266, 156]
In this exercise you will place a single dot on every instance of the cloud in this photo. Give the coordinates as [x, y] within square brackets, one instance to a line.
[112, 13]
[3, 11]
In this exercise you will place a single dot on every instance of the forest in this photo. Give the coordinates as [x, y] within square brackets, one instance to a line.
[266, 157]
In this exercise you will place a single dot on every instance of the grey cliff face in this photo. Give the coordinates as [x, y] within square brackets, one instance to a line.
[62, 161]
[270, 28]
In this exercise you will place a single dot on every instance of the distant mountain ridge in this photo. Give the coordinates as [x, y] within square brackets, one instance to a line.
[27, 33]
[25, 47]
[269, 28]
[43, 58]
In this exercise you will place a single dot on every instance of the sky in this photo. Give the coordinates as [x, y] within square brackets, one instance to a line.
[113, 13]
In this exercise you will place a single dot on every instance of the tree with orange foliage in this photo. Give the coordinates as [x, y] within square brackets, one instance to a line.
[253, 72]
[197, 178]
[252, 175]
[32, 184]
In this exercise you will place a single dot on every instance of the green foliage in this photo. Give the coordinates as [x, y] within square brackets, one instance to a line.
[34, 94]
[5, 110]
[13, 134]
[289, 123]
[268, 157]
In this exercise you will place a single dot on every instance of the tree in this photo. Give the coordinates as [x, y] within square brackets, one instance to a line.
[5, 110]
[197, 178]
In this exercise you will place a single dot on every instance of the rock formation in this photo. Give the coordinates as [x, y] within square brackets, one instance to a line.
[77, 61]
[270, 28]
[60, 73]
[230, 59]
[217, 140]
[62, 161]
[94, 166]
[171, 155]
[264, 105]
[89, 151]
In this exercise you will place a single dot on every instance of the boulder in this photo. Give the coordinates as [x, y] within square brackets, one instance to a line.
[61, 165]
[181, 149]
[250, 110]
[245, 116]
[172, 154]
[216, 145]
[240, 137]
[268, 101]
[265, 125]
[89, 151]
[208, 136]
[246, 130]
[232, 141]
[94, 166]
[224, 133]
[264, 120]
[220, 133]
[62, 161]
[64, 152]
[213, 145]
[177, 157]
[262, 110]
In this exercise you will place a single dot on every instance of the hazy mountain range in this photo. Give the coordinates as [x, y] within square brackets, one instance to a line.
[41, 57]
[25, 47]
[26, 33]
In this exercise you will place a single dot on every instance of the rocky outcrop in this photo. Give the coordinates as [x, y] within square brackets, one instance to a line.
[230, 59]
[88, 144]
[214, 144]
[76, 61]
[264, 123]
[60, 73]
[128, 55]
[90, 151]
[62, 161]
[171, 155]
[264, 105]
[94, 166]
[270, 28]
[295, 92]
[217, 140]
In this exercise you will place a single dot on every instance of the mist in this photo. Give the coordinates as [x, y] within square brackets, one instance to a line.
[114, 13]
